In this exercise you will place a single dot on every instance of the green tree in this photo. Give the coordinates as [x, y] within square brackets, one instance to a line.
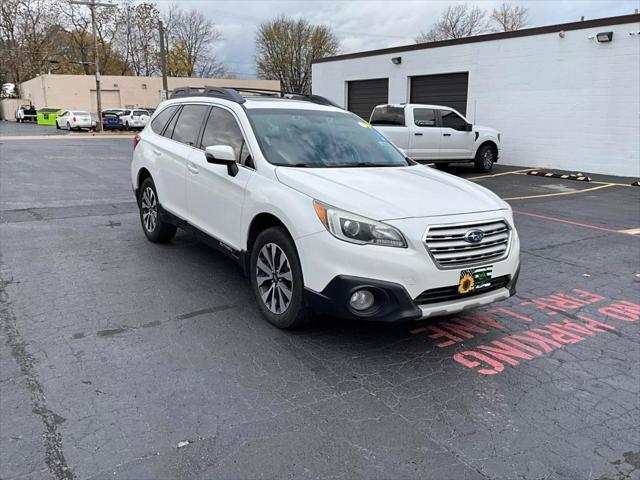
[285, 48]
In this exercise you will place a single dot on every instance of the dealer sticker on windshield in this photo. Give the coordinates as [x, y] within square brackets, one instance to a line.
[474, 279]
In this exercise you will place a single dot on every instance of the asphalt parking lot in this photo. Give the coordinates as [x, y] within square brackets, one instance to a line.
[130, 360]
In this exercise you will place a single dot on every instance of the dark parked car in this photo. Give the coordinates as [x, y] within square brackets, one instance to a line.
[111, 121]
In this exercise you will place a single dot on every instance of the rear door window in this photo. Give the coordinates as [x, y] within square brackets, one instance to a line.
[388, 116]
[158, 123]
[189, 122]
[424, 117]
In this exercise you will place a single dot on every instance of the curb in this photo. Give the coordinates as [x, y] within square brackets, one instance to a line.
[579, 177]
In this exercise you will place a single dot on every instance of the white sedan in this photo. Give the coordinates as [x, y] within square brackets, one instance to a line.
[75, 120]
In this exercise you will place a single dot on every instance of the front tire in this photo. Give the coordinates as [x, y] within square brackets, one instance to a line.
[276, 279]
[153, 225]
[485, 157]
[57, 126]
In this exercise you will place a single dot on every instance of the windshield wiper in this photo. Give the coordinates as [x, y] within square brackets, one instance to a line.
[363, 164]
[297, 165]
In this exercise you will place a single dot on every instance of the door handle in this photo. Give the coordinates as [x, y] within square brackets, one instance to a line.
[192, 168]
[418, 134]
[446, 134]
[157, 152]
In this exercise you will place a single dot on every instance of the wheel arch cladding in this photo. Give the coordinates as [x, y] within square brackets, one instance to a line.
[143, 174]
[261, 222]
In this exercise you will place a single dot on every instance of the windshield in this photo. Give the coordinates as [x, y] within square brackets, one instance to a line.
[314, 138]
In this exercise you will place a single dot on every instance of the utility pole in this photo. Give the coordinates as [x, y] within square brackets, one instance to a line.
[163, 62]
[92, 4]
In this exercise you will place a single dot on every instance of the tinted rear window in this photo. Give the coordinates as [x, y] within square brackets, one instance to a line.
[189, 123]
[158, 123]
[388, 115]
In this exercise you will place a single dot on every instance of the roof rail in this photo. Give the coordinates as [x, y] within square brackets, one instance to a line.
[218, 92]
[235, 94]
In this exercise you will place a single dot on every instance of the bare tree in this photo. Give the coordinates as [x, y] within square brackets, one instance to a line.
[457, 21]
[137, 41]
[77, 42]
[27, 31]
[191, 37]
[509, 17]
[285, 48]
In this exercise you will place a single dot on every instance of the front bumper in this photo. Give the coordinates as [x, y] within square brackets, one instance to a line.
[393, 302]
[410, 270]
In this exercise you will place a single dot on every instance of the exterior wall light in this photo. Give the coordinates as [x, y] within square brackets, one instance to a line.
[396, 60]
[604, 37]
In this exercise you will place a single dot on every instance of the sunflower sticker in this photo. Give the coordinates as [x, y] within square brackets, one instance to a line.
[466, 283]
[474, 279]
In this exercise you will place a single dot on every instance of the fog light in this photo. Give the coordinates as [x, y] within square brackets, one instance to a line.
[361, 300]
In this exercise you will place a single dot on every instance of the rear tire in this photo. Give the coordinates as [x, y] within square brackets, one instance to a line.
[485, 157]
[276, 279]
[155, 228]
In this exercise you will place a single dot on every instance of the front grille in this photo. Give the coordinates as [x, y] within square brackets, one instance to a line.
[449, 248]
[444, 294]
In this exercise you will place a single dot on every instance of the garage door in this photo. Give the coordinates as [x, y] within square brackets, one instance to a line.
[364, 95]
[449, 89]
[110, 99]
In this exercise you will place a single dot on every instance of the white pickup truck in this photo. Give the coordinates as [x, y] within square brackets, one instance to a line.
[433, 133]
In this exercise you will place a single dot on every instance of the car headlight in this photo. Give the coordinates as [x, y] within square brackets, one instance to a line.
[356, 229]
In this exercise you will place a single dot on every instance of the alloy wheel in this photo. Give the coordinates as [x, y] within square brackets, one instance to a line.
[488, 158]
[149, 206]
[274, 278]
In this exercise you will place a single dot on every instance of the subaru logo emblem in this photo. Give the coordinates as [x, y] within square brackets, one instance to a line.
[474, 236]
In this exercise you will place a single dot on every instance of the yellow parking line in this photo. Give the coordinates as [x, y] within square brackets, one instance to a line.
[561, 193]
[61, 137]
[613, 183]
[500, 174]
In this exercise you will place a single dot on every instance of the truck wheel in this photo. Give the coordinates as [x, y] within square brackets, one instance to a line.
[485, 158]
[276, 279]
[156, 230]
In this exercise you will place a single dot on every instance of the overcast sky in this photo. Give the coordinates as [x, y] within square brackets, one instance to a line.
[366, 25]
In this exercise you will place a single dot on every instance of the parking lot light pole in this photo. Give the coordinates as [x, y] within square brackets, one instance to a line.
[92, 6]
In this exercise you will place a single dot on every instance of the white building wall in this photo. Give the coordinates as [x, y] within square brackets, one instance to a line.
[568, 103]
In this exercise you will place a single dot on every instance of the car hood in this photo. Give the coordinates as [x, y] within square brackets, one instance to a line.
[387, 193]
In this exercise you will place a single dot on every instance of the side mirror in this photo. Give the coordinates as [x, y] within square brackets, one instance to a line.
[222, 155]
[468, 127]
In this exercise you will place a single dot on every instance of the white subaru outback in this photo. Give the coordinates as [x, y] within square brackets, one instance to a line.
[321, 211]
